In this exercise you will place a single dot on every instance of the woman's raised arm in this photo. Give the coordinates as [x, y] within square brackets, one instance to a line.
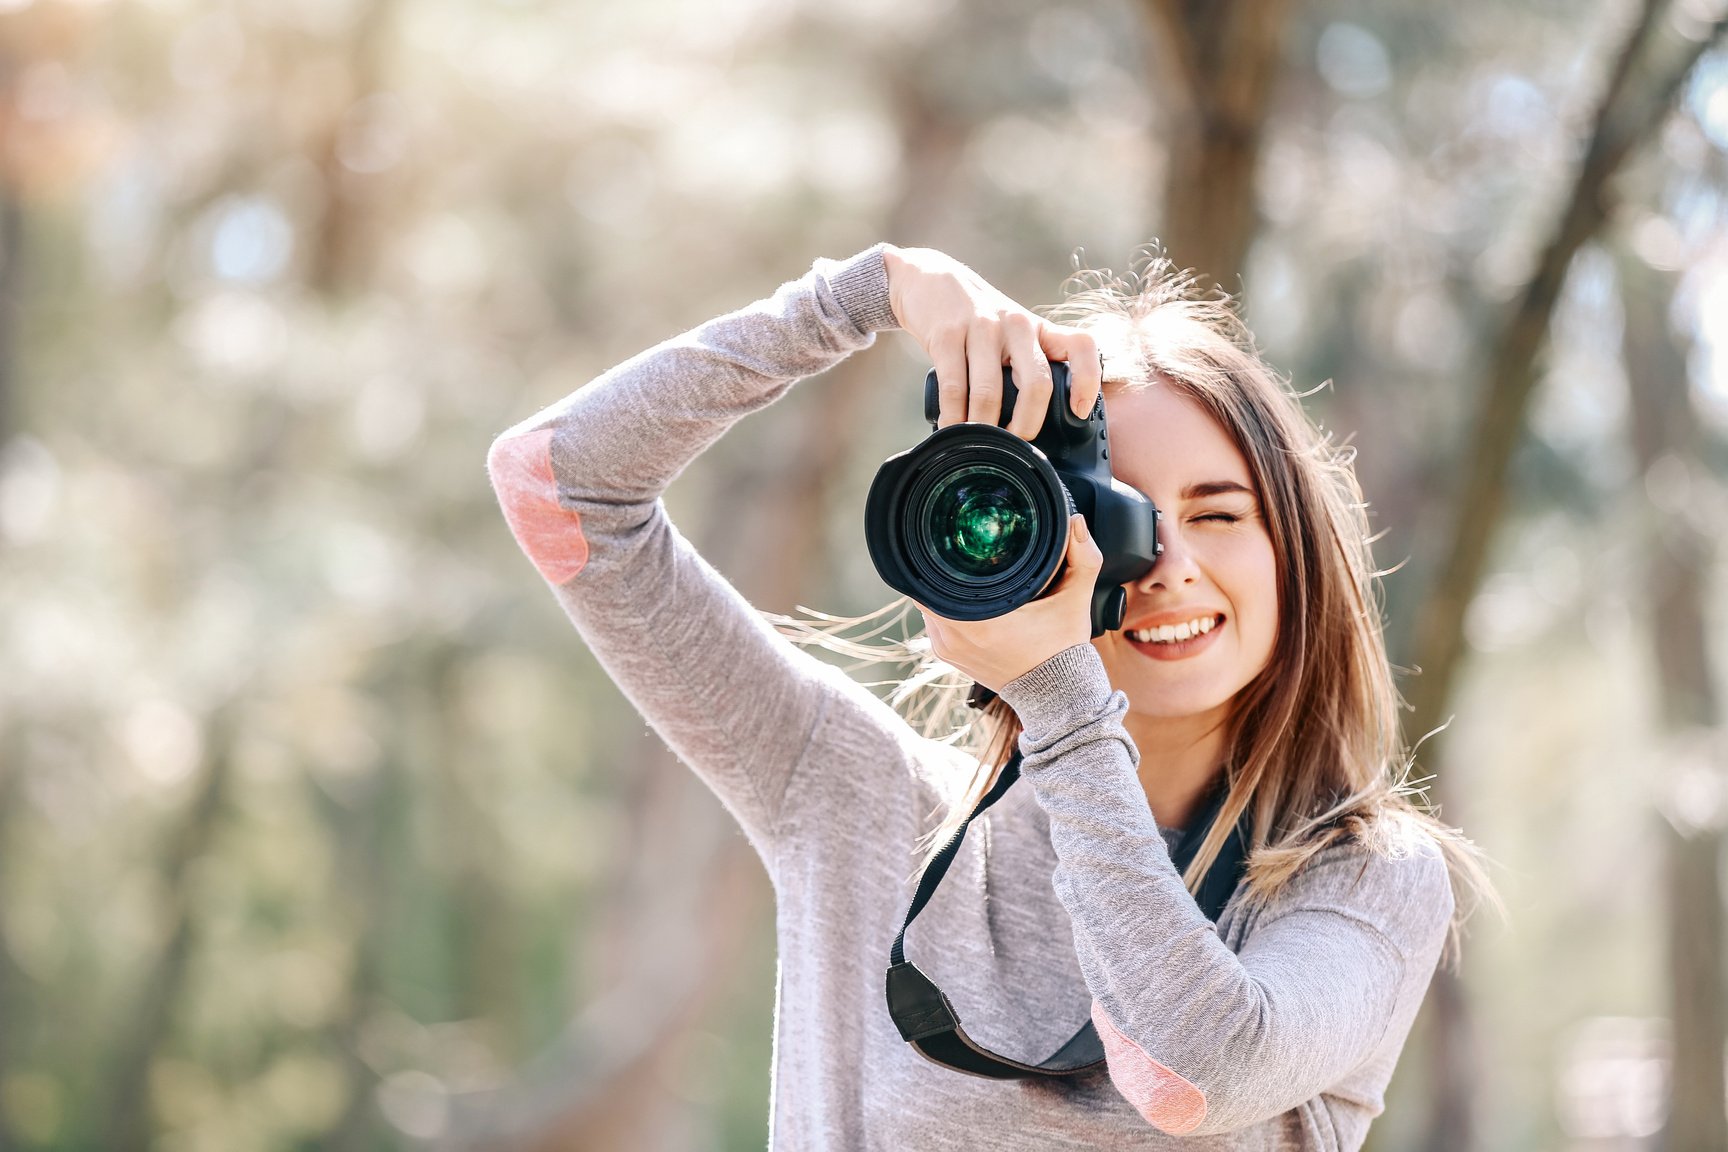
[581, 482]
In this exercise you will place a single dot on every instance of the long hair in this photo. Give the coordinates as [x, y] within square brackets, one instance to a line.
[1314, 751]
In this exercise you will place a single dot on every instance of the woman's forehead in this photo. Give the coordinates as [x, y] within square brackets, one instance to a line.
[1162, 437]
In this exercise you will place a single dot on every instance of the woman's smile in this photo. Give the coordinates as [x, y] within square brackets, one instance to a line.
[1191, 634]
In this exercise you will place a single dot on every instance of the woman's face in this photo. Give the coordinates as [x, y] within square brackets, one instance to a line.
[1211, 601]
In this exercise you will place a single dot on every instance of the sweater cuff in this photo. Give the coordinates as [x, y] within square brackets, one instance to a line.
[1066, 691]
[860, 286]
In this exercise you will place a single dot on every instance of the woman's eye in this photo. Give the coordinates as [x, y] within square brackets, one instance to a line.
[1219, 517]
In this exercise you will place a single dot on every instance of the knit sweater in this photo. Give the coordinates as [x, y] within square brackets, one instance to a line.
[1276, 1028]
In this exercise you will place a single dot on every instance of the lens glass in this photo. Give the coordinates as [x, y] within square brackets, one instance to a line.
[979, 521]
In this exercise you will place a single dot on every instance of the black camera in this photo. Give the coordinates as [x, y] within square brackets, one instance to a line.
[973, 522]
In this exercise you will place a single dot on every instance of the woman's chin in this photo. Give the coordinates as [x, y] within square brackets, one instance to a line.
[1155, 693]
[1164, 709]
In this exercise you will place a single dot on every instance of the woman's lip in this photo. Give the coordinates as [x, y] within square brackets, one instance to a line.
[1178, 649]
[1176, 616]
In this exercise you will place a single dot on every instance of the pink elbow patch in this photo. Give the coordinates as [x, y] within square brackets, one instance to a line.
[551, 535]
[1167, 1101]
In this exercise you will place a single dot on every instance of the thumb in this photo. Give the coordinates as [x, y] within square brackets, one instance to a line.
[1083, 552]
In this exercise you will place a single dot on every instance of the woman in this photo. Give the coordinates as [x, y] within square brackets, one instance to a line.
[1252, 663]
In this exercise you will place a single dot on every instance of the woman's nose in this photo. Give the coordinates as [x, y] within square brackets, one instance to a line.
[1175, 567]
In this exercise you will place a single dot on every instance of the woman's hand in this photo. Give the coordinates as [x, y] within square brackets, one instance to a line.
[993, 652]
[969, 330]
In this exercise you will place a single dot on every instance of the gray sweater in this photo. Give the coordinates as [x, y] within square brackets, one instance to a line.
[1278, 1028]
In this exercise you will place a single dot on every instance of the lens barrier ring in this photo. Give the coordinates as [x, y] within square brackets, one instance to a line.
[981, 524]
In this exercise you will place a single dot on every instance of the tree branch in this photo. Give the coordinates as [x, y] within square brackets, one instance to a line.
[1621, 122]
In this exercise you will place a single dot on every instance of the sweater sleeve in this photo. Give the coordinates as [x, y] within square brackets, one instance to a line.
[1200, 1039]
[580, 484]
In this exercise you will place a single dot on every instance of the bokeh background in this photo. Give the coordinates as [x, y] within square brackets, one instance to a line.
[320, 828]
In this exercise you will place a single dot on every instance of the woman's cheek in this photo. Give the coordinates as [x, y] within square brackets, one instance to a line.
[1260, 569]
[938, 642]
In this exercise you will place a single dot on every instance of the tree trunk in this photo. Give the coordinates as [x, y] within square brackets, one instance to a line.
[1666, 442]
[1632, 108]
[12, 978]
[126, 1125]
[366, 826]
[341, 249]
[11, 264]
[483, 927]
[11, 752]
[1218, 63]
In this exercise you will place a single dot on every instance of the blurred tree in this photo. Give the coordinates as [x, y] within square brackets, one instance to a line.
[124, 1122]
[12, 979]
[1217, 65]
[349, 224]
[1638, 96]
[11, 265]
[359, 823]
[11, 261]
[1647, 72]
[1681, 497]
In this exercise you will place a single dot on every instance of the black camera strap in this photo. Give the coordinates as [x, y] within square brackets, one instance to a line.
[928, 1022]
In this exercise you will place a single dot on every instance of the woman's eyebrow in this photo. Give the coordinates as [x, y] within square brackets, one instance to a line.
[1214, 488]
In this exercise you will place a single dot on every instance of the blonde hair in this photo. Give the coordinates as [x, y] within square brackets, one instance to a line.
[1315, 752]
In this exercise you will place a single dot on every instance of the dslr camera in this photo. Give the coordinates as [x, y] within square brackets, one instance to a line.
[973, 521]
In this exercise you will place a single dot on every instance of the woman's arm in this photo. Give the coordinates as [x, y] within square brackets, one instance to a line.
[580, 485]
[1198, 1038]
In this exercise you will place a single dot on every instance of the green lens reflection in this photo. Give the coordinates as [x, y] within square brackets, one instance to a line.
[979, 522]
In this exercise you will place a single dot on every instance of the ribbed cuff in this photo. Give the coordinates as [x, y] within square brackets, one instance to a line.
[860, 286]
[1060, 694]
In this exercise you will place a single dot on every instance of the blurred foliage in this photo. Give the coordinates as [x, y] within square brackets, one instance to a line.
[318, 824]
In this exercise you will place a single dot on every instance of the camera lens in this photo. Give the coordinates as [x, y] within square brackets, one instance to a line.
[970, 523]
[979, 521]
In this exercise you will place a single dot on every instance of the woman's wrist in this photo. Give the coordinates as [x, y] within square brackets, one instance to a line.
[1064, 690]
[860, 287]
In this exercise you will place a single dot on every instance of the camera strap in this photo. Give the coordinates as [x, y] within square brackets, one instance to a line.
[929, 1023]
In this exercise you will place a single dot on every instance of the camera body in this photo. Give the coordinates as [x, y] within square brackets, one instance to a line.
[973, 521]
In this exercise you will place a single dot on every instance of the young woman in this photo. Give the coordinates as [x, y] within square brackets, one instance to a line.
[1251, 666]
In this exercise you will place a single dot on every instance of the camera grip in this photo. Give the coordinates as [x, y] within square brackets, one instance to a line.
[1060, 418]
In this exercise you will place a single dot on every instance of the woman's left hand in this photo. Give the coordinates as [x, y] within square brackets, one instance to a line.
[993, 652]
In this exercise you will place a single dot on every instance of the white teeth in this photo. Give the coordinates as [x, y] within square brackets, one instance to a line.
[1172, 633]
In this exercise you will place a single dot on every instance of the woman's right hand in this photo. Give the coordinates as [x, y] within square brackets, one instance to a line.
[970, 330]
